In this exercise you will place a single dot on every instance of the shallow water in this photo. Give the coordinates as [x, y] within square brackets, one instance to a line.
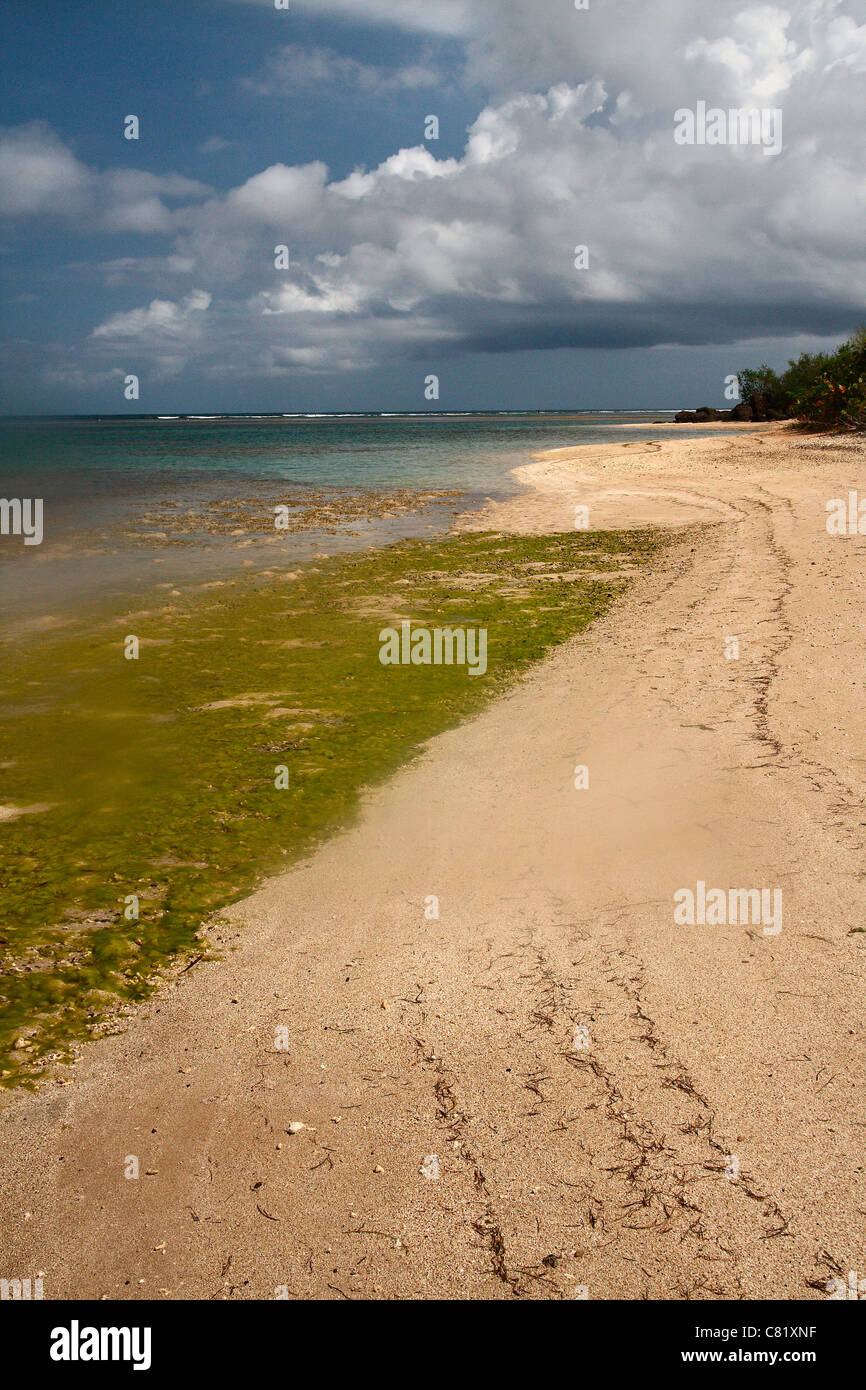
[104, 458]
[130, 503]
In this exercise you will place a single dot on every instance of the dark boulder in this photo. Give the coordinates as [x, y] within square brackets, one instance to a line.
[700, 416]
[756, 408]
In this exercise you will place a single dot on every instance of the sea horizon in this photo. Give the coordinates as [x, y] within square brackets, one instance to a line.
[572, 412]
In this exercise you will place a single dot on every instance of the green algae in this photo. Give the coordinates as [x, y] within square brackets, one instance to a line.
[155, 779]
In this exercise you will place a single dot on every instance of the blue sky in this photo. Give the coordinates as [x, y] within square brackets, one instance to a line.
[411, 256]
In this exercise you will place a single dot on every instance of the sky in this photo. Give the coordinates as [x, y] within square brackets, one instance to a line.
[411, 257]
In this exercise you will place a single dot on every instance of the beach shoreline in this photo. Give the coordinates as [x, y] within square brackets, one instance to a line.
[241, 718]
[486, 971]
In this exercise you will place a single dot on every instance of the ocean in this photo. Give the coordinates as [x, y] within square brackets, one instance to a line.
[114, 455]
[130, 502]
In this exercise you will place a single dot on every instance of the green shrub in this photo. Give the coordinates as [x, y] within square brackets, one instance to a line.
[825, 389]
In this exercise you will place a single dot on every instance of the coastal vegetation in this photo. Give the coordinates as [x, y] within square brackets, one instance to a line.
[825, 389]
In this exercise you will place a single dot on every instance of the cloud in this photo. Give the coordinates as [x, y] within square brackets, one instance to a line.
[423, 258]
[305, 358]
[40, 176]
[512, 45]
[758, 58]
[164, 333]
[427, 16]
[161, 318]
[216, 144]
[280, 191]
[295, 68]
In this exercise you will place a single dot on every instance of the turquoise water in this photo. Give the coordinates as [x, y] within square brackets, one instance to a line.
[117, 492]
[121, 455]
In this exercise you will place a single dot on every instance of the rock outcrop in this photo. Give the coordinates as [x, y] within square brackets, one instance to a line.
[754, 409]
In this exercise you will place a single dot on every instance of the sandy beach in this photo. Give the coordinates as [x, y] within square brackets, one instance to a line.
[539, 1086]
